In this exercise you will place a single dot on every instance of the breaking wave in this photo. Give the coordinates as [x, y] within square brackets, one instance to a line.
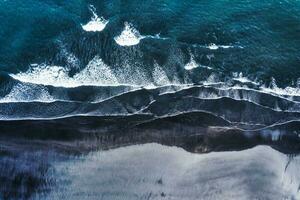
[131, 36]
[96, 24]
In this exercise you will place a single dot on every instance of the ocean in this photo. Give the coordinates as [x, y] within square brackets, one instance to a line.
[82, 79]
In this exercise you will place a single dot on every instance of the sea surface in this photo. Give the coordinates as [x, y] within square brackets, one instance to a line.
[188, 99]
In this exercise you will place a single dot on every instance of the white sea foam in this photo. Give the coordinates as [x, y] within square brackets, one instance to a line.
[239, 77]
[157, 36]
[96, 24]
[213, 46]
[287, 92]
[271, 89]
[45, 75]
[27, 93]
[130, 36]
[95, 73]
[192, 64]
[159, 76]
[274, 89]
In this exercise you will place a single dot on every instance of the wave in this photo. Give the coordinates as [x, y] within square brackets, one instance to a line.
[184, 98]
[96, 24]
[191, 130]
[181, 28]
[242, 79]
[95, 73]
[213, 46]
[27, 93]
[160, 102]
[98, 82]
[160, 77]
[131, 36]
[243, 111]
[192, 64]
[102, 90]
[287, 91]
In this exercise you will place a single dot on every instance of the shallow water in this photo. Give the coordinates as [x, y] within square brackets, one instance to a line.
[153, 171]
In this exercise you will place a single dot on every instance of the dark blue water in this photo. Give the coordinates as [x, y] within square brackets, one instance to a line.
[268, 31]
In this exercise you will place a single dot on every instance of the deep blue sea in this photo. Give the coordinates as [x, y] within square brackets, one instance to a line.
[264, 36]
[82, 76]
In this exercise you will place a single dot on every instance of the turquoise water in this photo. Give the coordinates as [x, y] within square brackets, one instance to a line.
[34, 32]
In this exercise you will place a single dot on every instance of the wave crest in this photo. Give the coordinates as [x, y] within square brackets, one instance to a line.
[96, 24]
